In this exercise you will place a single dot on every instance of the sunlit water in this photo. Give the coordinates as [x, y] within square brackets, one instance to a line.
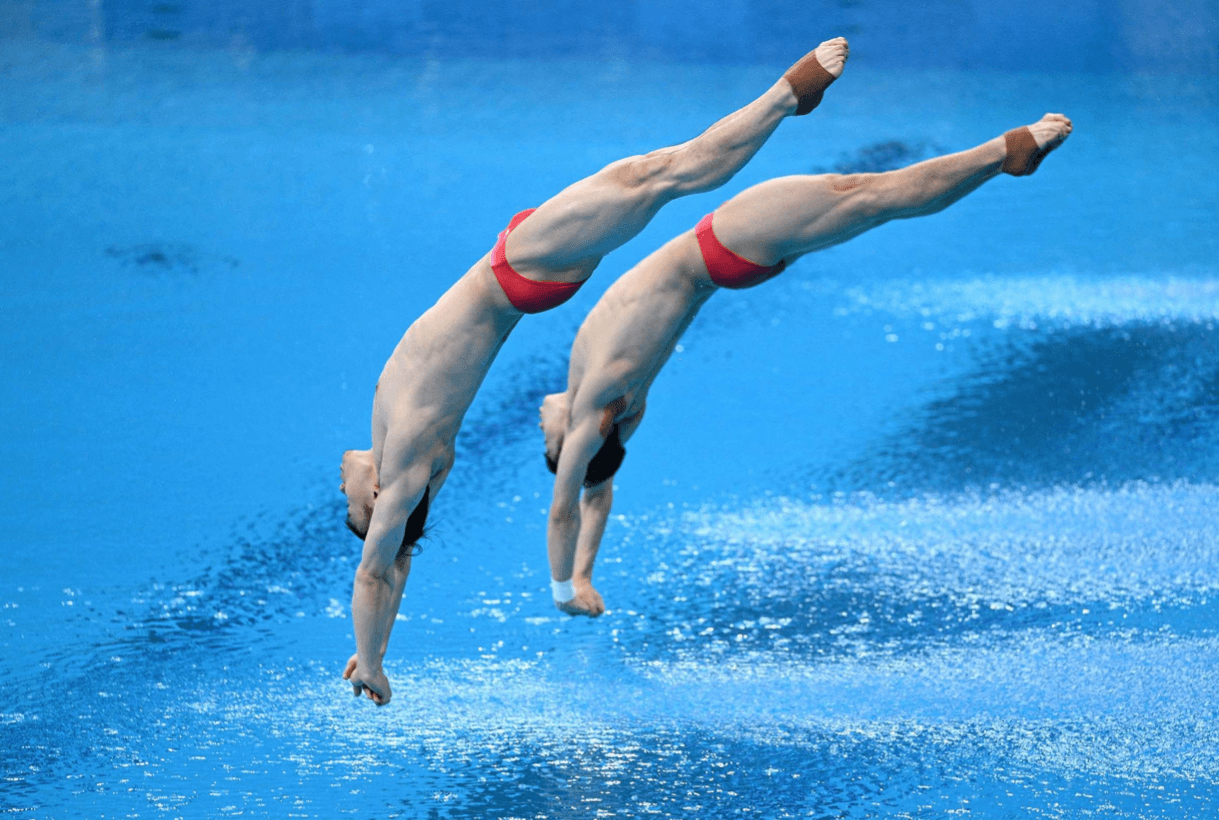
[925, 526]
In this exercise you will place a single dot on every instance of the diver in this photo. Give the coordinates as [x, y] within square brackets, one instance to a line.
[538, 262]
[631, 332]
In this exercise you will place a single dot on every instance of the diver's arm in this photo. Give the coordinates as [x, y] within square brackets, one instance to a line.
[595, 508]
[564, 524]
[399, 573]
[377, 591]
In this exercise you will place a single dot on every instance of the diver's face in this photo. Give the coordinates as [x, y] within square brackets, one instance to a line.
[553, 421]
[359, 483]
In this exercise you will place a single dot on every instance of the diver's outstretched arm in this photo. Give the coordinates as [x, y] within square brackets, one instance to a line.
[595, 506]
[398, 574]
[565, 524]
[380, 578]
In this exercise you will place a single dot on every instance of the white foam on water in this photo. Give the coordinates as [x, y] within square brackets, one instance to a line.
[1104, 707]
[1066, 544]
[1060, 299]
[1109, 706]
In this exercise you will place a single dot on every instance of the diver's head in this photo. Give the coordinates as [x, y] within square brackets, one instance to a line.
[359, 484]
[553, 413]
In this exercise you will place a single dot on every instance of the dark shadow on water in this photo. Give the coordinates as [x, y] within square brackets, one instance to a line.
[882, 156]
[1075, 407]
[157, 258]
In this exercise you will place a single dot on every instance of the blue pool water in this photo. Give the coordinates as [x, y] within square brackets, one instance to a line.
[926, 527]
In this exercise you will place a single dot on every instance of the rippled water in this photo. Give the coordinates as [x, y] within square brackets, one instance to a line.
[925, 527]
[850, 657]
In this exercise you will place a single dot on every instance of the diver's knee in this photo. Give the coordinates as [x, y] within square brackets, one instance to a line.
[863, 194]
[633, 173]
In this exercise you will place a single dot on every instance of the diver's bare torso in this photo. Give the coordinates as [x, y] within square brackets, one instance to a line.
[629, 335]
[430, 380]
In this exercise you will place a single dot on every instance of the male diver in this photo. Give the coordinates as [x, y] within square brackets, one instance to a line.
[538, 262]
[630, 333]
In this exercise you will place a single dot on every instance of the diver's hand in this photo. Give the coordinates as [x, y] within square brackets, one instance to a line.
[587, 601]
[375, 685]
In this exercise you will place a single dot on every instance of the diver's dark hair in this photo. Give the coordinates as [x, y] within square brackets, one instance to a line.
[416, 526]
[607, 460]
[603, 465]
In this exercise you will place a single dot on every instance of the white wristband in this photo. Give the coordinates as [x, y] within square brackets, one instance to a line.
[562, 591]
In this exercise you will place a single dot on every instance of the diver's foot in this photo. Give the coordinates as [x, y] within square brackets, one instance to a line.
[815, 71]
[1028, 145]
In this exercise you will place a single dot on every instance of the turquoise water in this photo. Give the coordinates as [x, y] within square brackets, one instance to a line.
[925, 526]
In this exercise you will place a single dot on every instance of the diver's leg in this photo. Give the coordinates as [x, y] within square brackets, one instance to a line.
[783, 218]
[928, 187]
[713, 157]
[571, 231]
